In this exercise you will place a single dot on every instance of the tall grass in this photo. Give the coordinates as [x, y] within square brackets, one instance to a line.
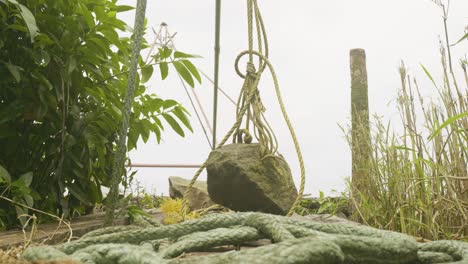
[418, 180]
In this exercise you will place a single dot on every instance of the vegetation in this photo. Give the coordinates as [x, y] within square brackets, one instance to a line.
[417, 180]
[325, 205]
[172, 209]
[64, 68]
[64, 72]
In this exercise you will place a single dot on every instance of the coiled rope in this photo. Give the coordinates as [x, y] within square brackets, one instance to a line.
[250, 105]
[294, 241]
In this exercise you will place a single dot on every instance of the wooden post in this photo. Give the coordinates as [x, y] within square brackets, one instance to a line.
[360, 141]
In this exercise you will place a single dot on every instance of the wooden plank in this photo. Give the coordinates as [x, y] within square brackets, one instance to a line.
[52, 233]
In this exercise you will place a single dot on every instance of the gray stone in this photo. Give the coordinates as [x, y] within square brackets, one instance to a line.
[198, 197]
[238, 178]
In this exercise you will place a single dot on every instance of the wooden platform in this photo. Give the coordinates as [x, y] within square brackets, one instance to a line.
[52, 233]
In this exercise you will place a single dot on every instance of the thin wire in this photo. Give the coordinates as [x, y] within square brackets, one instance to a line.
[219, 88]
[196, 112]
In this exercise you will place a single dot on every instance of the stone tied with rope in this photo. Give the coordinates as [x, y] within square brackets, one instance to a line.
[294, 241]
[240, 179]
[252, 179]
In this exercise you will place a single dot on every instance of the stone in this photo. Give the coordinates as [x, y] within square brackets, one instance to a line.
[198, 197]
[238, 178]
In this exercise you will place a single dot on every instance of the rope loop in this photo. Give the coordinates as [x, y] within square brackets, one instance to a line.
[251, 69]
[244, 136]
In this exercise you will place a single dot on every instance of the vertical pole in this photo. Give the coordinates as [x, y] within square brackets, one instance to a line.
[216, 69]
[360, 135]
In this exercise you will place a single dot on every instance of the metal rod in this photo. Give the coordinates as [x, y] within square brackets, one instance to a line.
[143, 165]
[216, 69]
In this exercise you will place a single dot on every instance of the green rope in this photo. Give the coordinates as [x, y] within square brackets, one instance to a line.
[249, 103]
[294, 241]
[113, 194]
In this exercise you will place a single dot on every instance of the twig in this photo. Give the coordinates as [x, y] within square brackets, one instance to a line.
[67, 223]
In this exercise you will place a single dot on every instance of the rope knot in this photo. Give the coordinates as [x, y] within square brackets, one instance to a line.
[251, 68]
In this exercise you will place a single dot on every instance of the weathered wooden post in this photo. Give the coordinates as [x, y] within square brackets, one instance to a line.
[360, 135]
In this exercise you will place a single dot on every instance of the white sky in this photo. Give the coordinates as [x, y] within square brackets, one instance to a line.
[309, 44]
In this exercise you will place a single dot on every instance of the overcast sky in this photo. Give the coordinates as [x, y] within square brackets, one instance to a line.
[309, 44]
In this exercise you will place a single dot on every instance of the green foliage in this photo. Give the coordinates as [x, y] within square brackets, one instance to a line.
[63, 71]
[417, 178]
[172, 209]
[134, 211]
[325, 205]
[144, 199]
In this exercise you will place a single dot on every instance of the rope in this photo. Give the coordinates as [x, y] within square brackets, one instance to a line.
[294, 241]
[128, 101]
[249, 103]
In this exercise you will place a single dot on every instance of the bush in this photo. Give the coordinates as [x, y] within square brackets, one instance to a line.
[63, 71]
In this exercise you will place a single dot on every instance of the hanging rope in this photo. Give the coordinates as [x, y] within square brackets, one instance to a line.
[112, 197]
[249, 103]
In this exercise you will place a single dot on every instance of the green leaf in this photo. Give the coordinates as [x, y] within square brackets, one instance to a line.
[184, 73]
[448, 122]
[182, 117]
[111, 35]
[116, 23]
[179, 54]
[404, 148]
[145, 130]
[132, 140]
[156, 129]
[79, 194]
[21, 213]
[28, 200]
[169, 103]
[146, 73]
[71, 65]
[4, 175]
[460, 40]
[83, 10]
[14, 70]
[30, 21]
[165, 52]
[158, 122]
[26, 178]
[429, 75]
[112, 14]
[123, 8]
[101, 43]
[164, 69]
[45, 58]
[116, 111]
[193, 70]
[173, 123]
